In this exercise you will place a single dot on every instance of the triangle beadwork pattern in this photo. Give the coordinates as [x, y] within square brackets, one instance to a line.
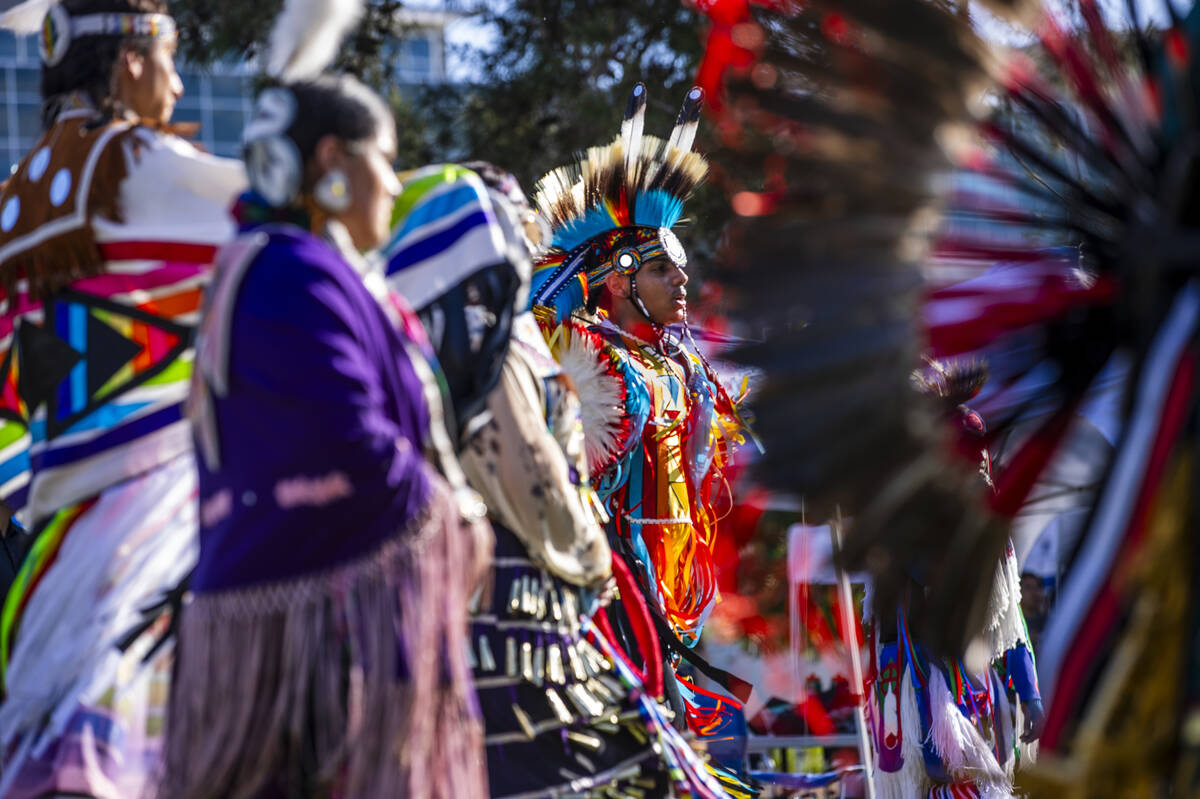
[87, 352]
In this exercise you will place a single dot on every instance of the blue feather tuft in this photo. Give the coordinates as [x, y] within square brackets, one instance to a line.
[657, 208]
[595, 222]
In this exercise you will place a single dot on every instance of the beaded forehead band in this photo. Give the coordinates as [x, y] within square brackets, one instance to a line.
[653, 243]
[59, 29]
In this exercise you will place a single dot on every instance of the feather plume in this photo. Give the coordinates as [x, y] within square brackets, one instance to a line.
[26, 18]
[601, 192]
[633, 125]
[307, 35]
[1074, 210]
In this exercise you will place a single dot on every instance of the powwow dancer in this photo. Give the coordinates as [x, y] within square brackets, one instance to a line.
[108, 229]
[322, 652]
[657, 422]
[942, 729]
[563, 713]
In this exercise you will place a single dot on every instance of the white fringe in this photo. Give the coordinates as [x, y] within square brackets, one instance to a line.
[960, 746]
[135, 543]
[1006, 624]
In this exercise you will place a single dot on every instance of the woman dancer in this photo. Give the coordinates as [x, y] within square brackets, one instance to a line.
[108, 230]
[323, 650]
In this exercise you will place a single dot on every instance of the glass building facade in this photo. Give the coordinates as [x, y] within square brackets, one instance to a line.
[219, 97]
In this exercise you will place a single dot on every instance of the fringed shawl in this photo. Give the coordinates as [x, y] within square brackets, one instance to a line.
[354, 681]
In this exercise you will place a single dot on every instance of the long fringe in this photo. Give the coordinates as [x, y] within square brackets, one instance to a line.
[957, 742]
[356, 678]
[1006, 623]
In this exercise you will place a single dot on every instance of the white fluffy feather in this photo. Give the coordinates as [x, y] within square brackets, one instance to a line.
[26, 17]
[307, 35]
[600, 397]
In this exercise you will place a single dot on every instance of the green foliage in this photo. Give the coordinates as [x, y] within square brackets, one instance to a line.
[552, 80]
[555, 82]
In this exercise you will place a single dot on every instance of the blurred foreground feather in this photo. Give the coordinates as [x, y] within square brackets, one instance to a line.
[832, 157]
[846, 128]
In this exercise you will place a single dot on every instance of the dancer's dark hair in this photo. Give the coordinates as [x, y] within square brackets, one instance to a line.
[334, 105]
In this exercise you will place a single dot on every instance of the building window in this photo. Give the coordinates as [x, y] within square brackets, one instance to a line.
[29, 83]
[414, 60]
[8, 45]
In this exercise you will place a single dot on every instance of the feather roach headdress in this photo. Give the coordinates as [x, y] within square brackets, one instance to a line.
[614, 208]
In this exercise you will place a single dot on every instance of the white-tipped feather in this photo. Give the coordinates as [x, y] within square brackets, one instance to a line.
[688, 122]
[633, 125]
[307, 35]
[27, 17]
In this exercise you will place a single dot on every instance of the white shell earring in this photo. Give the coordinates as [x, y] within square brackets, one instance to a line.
[332, 192]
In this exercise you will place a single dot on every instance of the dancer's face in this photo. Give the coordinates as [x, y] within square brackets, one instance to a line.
[662, 288]
[372, 185]
[147, 83]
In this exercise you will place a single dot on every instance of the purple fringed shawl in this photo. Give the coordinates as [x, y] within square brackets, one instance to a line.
[322, 650]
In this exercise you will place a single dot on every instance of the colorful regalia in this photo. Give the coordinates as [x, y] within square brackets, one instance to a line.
[658, 424]
[563, 712]
[321, 650]
[108, 229]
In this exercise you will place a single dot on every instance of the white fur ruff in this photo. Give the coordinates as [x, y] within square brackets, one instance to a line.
[601, 397]
[307, 35]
